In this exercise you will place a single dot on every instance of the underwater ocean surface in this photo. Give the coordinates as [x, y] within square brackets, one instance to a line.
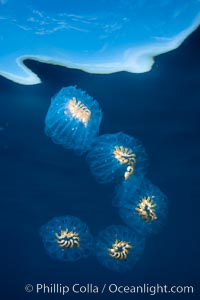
[41, 180]
[101, 36]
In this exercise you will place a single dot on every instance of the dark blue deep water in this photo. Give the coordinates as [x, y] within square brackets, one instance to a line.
[40, 180]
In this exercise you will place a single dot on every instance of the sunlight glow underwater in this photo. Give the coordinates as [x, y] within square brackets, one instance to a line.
[98, 37]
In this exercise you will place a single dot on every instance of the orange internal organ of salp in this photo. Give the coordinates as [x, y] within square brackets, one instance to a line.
[146, 209]
[68, 239]
[79, 111]
[120, 250]
[125, 156]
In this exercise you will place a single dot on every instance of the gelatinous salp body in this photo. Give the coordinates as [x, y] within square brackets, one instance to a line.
[67, 238]
[117, 157]
[73, 119]
[118, 248]
[143, 207]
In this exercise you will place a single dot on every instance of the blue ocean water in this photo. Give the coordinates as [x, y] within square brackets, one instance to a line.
[41, 180]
